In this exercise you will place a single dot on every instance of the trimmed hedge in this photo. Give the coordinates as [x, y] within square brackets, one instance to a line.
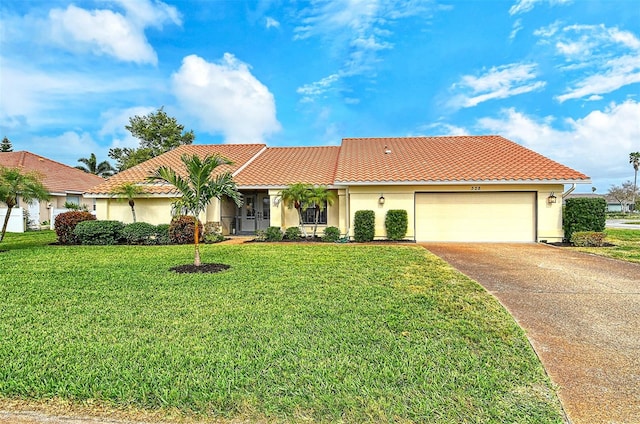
[98, 232]
[140, 233]
[273, 234]
[66, 222]
[331, 234]
[588, 239]
[162, 234]
[181, 230]
[364, 226]
[292, 233]
[584, 214]
[396, 223]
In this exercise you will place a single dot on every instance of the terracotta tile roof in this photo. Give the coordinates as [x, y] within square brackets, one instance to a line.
[57, 177]
[239, 154]
[445, 159]
[281, 166]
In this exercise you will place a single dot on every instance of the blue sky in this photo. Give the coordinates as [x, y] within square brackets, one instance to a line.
[560, 77]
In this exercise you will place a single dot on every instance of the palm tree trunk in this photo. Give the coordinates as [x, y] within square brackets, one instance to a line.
[6, 222]
[635, 188]
[316, 216]
[304, 231]
[133, 209]
[196, 238]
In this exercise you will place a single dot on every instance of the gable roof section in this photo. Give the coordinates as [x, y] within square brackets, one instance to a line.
[239, 154]
[56, 177]
[449, 159]
[281, 166]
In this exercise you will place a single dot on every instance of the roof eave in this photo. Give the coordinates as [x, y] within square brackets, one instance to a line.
[465, 182]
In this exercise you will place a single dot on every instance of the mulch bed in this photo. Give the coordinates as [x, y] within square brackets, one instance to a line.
[202, 269]
[565, 244]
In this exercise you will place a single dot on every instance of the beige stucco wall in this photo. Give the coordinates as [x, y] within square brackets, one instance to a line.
[549, 217]
[154, 211]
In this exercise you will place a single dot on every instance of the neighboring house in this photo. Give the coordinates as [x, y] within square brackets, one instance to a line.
[64, 183]
[458, 188]
[612, 204]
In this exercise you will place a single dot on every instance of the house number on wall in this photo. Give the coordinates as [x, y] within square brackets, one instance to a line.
[475, 188]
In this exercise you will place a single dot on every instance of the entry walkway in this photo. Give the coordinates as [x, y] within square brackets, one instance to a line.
[580, 312]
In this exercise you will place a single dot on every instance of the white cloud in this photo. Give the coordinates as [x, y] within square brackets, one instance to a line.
[602, 59]
[271, 23]
[107, 32]
[523, 6]
[517, 27]
[309, 91]
[356, 29]
[116, 119]
[597, 144]
[497, 83]
[226, 98]
[618, 73]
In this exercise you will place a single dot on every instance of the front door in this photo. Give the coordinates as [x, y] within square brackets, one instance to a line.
[255, 214]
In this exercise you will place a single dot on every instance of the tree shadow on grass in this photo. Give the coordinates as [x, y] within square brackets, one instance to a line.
[201, 269]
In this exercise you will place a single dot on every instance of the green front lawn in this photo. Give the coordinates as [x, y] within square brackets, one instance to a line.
[626, 245]
[291, 333]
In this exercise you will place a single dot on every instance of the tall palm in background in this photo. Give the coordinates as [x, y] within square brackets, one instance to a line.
[91, 166]
[297, 196]
[14, 183]
[199, 187]
[634, 160]
[321, 196]
[128, 191]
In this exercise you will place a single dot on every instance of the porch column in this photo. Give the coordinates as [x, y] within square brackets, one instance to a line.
[213, 211]
[343, 219]
[275, 209]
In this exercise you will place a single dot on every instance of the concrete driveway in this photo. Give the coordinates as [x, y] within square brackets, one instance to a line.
[580, 312]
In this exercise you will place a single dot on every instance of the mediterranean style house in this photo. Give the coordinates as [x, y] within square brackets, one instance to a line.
[454, 188]
[64, 183]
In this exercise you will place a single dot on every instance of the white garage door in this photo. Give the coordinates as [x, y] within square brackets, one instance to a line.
[476, 217]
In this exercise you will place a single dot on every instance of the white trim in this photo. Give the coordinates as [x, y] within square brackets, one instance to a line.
[282, 187]
[444, 182]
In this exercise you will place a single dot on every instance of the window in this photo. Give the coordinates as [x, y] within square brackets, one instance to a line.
[73, 199]
[250, 207]
[309, 216]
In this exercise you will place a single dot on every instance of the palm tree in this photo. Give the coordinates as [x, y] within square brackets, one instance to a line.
[14, 183]
[199, 187]
[128, 191]
[297, 196]
[634, 159]
[320, 196]
[102, 169]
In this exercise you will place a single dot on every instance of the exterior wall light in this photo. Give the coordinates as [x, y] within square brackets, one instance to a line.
[552, 198]
[381, 200]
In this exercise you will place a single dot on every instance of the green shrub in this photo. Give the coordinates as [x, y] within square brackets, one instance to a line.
[98, 232]
[273, 234]
[162, 234]
[396, 223]
[292, 233]
[331, 234]
[139, 233]
[588, 239]
[584, 214]
[181, 230]
[213, 232]
[66, 222]
[364, 226]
